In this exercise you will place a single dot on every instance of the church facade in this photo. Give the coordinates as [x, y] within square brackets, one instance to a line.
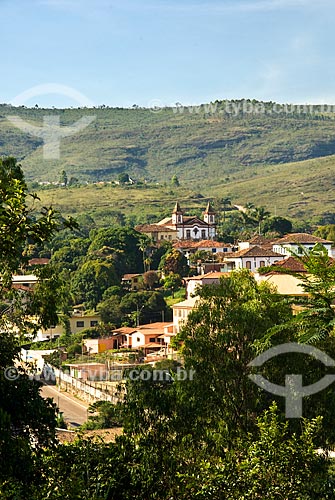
[181, 227]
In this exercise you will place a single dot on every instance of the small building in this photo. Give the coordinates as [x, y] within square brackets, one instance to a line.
[292, 243]
[88, 371]
[148, 338]
[283, 280]
[78, 322]
[132, 282]
[257, 240]
[96, 346]
[251, 258]
[181, 310]
[195, 282]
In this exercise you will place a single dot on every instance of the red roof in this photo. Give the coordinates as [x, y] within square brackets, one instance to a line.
[201, 244]
[38, 262]
[291, 264]
[125, 330]
[301, 238]
[148, 228]
[253, 252]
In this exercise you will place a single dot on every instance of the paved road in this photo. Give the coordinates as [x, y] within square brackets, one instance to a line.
[74, 411]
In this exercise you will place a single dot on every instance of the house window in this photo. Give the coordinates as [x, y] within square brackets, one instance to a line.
[162, 237]
[152, 339]
[135, 280]
[248, 264]
[138, 339]
[188, 233]
[170, 237]
[93, 322]
[299, 251]
[213, 250]
[80, 324]
[203, 233]
[262, 263]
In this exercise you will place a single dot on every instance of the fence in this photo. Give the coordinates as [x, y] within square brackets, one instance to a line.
[86, 390]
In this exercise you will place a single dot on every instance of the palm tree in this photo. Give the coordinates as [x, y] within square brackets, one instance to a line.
[226, 202]
[260, 215]
[144, 245]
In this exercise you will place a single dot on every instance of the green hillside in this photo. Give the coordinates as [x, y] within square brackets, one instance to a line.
[269, 158]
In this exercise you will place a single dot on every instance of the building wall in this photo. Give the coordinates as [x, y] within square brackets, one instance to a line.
[95, 346]
[181, 311]
[196, 232]
[255, 262]
[289, 249]
[77, 324]
[285, 283]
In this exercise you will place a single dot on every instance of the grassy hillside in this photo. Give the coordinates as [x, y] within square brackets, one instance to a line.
[156, 145]
[268, 158]
[302, 190]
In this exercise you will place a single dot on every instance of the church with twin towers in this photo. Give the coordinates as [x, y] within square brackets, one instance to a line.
[182, 227]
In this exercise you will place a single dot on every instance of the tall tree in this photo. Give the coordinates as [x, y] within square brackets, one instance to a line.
[26, 419]
[221, 337]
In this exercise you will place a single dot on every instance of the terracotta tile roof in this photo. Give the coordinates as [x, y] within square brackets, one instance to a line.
[291, 264]
[255, 251]
[201, 244]
[23, 288]
[38, 262]
[153, 326]
[124, 330]
[130, 276]
[151, 345]
[300, 238]
[154, 228]
[260, 240]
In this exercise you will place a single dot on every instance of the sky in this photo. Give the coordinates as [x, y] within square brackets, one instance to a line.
[120, 53]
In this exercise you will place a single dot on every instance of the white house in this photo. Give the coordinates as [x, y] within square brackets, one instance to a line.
[195, 282]
[292, 243]
[251, 258]
[181, 310]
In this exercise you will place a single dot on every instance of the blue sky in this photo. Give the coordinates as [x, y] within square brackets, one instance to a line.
[121, 53]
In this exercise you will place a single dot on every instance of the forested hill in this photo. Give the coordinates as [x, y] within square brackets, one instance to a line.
[211, 144]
